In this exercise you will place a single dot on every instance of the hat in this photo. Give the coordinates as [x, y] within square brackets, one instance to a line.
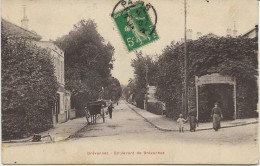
[180, 115]
[216, 103]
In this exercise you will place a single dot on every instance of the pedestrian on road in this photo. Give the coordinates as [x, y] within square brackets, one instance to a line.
[181, 122]
[192, 118]
[87, 114]
[216, 114]
[110, 110]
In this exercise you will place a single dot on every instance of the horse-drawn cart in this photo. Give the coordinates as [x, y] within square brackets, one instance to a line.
[93, 109]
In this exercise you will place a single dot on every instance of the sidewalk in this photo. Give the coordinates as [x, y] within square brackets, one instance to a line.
[60, 132]
[166, 124]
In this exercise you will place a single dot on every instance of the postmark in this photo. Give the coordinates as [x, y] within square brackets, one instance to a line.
[135, 25]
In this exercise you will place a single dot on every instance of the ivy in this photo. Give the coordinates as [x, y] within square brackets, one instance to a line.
[235, 57]
[28, 88]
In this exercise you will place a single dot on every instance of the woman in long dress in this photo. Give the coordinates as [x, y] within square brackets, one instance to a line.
[216, 114]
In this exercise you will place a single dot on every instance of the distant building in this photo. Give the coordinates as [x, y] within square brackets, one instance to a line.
[232, 33]
[199, 34]
[153, 105]
[229, 32]
[189, 34]
[151, 94]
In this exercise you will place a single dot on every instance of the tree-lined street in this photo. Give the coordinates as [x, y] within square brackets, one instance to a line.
[127, 82]
[127, 124]
[128, 131]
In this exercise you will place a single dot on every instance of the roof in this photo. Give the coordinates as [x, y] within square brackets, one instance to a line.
[17, 31]
[51, 45]
[252, 32]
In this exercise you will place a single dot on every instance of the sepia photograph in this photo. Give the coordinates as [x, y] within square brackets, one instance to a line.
[129, 82]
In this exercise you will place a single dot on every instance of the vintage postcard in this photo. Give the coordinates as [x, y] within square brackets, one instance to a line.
[129, 82]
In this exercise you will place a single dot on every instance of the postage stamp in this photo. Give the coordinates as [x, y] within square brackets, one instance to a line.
[135, 26]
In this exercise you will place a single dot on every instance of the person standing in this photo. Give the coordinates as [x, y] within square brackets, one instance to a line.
[193, 119]
[181, 122]
[87, 114]
[110, 110]
[216, 114]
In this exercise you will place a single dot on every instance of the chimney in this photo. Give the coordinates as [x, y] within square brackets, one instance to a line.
[235, 30]
[189, 34]
[199, 34]
[228, 32]
[25, 20]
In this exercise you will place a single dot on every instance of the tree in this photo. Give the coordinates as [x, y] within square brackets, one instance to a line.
[141, 65]
[113, 91]
[88, 63]
[28, 88]
[235, 57]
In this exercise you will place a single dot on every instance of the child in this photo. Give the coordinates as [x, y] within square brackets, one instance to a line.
[181, 122]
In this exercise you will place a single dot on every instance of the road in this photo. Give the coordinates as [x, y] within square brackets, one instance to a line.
[126, 124]
[128, 138]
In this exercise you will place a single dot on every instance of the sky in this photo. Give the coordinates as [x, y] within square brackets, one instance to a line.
[54, 18]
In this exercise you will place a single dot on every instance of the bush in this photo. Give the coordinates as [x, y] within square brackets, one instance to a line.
[155, 107]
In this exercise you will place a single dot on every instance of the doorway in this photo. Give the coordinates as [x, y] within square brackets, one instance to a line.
[211, 93]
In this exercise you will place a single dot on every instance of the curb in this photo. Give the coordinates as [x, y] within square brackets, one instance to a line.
[209, 128]
[156, 126]
[29, 139]
[18, 141]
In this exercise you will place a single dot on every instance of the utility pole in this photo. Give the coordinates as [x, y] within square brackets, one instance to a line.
[185, 59]
[146, 85]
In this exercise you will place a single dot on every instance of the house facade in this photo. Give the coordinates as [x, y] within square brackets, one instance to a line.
[62, 110]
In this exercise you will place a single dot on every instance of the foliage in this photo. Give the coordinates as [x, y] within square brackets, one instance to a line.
[113, 91]
[235, 57]
[141, 64]
[155, 107]
[128, 90]
[88, 62]
[28, 88]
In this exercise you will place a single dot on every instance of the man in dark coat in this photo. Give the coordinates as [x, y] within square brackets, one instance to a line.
[110, 110]
[192, 117]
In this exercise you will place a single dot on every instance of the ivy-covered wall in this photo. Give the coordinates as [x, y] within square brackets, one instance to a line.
[28, 88]
[235, 57]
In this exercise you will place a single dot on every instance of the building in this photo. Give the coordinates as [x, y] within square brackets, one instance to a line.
[252, 33]
[62, 110]
[153, 105]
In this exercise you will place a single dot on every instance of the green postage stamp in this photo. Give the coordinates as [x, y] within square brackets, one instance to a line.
[135, 26]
